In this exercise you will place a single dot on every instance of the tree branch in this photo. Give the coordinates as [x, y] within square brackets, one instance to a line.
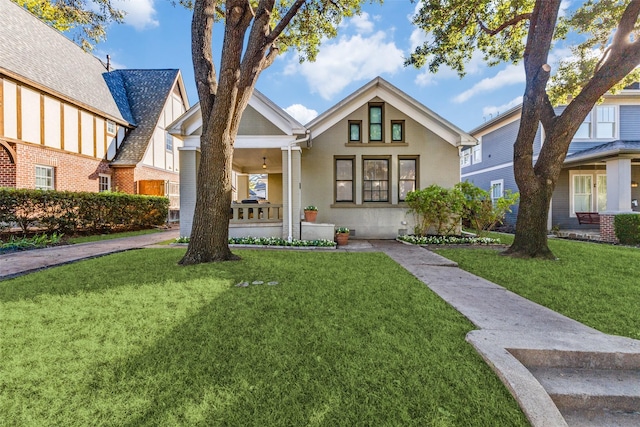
[626, 25]
[279, 28]
[511, 22]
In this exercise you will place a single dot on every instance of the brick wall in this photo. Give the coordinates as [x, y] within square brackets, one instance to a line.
[122, 179]
[72, 172]
[607, 228]
[7, 169]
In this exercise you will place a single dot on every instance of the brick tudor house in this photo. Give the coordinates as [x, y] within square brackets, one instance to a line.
[69, 123]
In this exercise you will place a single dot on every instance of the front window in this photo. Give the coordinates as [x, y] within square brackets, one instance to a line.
[465, 157]
[44, 178]
[397, 130]
[477, 152]
[104, 183]
[407, 169]
[169, 142]
[584, 131]
[375, 123]
[497, 190]
[375, 174]
[605, 127]
[344, 180]
[582, 193]
[354, 131]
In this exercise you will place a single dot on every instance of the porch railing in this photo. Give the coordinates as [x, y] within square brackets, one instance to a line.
[255, 213]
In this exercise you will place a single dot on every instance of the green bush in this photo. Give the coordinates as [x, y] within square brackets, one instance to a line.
[436, 207]
[627, 228]
[479, 211]
[67, 212]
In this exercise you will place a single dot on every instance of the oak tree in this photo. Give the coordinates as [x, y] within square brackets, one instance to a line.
[525, 30]
[255, 33]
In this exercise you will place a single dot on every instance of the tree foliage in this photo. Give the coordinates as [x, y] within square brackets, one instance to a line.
[255, 33]
[605, 59]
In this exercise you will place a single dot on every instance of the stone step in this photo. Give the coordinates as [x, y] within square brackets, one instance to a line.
[601, 418]
[577, 359]
[584, 389]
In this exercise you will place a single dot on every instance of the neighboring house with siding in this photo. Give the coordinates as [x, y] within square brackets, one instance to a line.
[69, 123]
[600, 173]
[356, 162]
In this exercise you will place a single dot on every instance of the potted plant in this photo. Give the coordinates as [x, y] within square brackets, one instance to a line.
[342, 235]
[310, 213]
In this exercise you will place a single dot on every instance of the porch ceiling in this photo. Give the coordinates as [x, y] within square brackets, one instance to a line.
[249, 160]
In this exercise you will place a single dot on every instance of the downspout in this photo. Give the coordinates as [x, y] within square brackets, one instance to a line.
[289, 183]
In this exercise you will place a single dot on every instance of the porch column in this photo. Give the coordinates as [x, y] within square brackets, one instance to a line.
[618, 196]
[618, 185]
[189, 164]
[295, 203]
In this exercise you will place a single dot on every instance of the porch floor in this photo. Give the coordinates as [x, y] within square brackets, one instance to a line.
[581, 234]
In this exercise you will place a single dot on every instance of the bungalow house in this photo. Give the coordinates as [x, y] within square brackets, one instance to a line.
[68, 122]
[600, 173]
[356, 162]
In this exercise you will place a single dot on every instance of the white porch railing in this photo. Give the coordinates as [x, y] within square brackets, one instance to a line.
[254, 213]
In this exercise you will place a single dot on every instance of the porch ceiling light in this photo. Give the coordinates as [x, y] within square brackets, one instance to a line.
[264, 163]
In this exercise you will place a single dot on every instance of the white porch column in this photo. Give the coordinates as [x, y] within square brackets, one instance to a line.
[291, 185]
[189, 164]
[618, 185]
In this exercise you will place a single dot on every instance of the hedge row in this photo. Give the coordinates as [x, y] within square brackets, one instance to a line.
[627, 228]
[67, 212]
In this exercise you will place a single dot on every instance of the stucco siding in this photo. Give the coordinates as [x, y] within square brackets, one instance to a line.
[438, 163]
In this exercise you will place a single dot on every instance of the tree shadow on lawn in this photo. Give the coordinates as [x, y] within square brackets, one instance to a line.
[130, 268]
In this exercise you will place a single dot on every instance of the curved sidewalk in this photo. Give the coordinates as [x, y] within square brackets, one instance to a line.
[22, 262]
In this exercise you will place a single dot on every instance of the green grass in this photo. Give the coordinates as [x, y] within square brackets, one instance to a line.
[99, 237]
[595, 284]
[344, 339]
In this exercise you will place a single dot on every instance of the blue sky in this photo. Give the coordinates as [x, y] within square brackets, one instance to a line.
[157, 35]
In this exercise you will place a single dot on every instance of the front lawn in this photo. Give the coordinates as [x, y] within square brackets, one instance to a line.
[595, 284]
[343, 339]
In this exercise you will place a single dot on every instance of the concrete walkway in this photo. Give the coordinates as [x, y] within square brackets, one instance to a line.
[561, 372]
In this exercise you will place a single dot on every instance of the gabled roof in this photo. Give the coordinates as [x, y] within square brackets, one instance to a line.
[190, 123]
[35, 53]
[379, 87]
[142, 95]
[610, 149]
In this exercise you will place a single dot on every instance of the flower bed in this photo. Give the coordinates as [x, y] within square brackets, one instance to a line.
[272, 241]
[448, 240]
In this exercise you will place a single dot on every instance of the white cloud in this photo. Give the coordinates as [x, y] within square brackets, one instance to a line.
[512, 74]
[301, 113]
[493, 110]
[140, 14]
[113, 63]
[347, 60]
[362, 23]
[474, 66]
[417, 38]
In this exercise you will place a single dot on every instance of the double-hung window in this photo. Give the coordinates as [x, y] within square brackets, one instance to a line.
[476, 152]
[104, 183]
[44, 177]
[169, 142]
[375, 123]
[407, 177]
[497, 190]
[606, 120]
[584, 131]
[465, 157]
[375, 180]
[344, 180]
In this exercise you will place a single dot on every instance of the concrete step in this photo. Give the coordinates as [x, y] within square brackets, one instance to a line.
[601, 418]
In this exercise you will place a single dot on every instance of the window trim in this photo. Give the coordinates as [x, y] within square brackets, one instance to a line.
[381, 106]
[53, 177]
[389, 182]
[416, 179]
[402, 128]
[335, 179]
[359, 124]
[494, 183]
[593, 124]
[111, 123]
[465, 157]
[614, 123]
[593, 173]
[108, 177]
[476, 151]
[166, 140]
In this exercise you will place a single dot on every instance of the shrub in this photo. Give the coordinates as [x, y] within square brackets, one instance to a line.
[479, 211]
[627, 228]
[436, 207]
[66, 212]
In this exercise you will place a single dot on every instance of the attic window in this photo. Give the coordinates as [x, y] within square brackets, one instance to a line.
[111, 127]
[375, 122]
[354, 131]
